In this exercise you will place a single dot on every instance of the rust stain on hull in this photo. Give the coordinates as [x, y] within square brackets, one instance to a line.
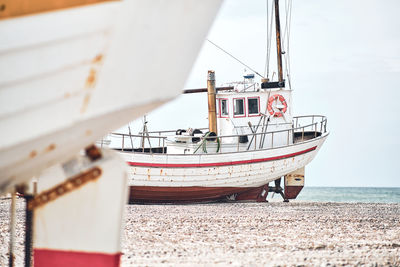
[98, 59]
[91, 79]
[33, 154]
[93, 152]
[51, 147]
[63, 188]
[85, 103]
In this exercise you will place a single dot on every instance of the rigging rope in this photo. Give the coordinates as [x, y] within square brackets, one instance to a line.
[266, 67]
[285, 42]
[269, 38]
[286, 36]
[203, 143]
[217, 46]
[288, 55]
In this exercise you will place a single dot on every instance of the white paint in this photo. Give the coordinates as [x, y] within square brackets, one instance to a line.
[278, 142]
[225, 123]
[295, 178]
[244, 175]
[147, 49]
[88, 218]
[229, 124]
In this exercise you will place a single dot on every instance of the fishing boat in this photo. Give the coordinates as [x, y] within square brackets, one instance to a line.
[253, 139]
[70, 72]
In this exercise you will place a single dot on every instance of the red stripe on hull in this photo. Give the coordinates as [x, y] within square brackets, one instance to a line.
[61, 258]
[158, 194]
[214, 164]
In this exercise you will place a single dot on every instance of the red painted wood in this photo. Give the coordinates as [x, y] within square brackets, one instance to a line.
[61, 258]
[291, 192]
[214, 164]
[158, 194]
[254, 194]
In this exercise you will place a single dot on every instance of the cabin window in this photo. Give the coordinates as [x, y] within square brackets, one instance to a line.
[223, 108]
[238, 107]
[253, 106]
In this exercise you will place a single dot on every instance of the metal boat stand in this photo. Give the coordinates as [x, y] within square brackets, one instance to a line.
[20, 191]
[12, 229]
[278, 189]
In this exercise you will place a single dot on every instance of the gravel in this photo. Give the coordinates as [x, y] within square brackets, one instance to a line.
[243, 234]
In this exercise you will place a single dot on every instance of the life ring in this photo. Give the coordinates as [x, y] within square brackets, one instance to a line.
[280, 112]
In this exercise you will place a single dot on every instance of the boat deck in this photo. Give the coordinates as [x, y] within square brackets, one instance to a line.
[304, 128]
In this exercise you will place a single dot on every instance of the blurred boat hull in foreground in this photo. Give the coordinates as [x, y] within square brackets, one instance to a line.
[70, 72]
[69, 76]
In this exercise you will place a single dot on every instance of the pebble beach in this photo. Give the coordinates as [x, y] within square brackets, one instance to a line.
[248, 234]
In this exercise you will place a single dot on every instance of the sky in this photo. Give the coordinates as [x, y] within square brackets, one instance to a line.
[345, 64]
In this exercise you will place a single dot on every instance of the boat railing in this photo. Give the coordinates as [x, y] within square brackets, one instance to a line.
[303, 128]
[167, 132]
[143, 138]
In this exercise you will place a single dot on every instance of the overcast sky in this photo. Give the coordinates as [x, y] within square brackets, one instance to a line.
[345, 64]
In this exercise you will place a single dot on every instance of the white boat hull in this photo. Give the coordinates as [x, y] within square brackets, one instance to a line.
[68, 77]
[184, 178]
[80, 225]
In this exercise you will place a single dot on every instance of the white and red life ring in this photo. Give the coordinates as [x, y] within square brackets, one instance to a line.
[280, 111]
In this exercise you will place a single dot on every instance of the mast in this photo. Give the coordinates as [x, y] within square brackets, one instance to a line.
[278, 41]
[265, 83]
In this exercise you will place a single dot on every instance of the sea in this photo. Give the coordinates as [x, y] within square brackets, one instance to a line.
[349, 194]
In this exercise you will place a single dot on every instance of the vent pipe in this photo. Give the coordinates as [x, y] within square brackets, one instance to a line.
[212, 107]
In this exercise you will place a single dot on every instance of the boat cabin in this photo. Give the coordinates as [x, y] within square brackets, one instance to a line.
[243, 116]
